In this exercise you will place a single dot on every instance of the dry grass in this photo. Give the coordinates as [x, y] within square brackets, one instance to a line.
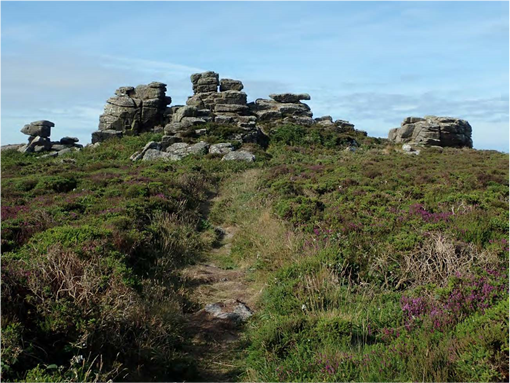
[436, 260]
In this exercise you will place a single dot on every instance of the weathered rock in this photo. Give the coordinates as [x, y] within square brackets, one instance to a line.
[185, 111]
[433, 131]
[205, 82]
[231, 108]
[103, 135]
[299, 120]
[228, 84]
[410, 120]
[294, 110]
[174, 128]
[289, 97]
[58, 147]
[135, 110]
[221, 148]
[68, 140]
[38, 144]
[233, 310]
[232, 97]
[166, 141]
[240, 155]
[188, 122]
[199, 148]
[344, 126]
[223, 119]
[11, 147]
[324, 120]
[38, 128]
[43, 123]
[136, 156]
[178, 148]
[154, 154]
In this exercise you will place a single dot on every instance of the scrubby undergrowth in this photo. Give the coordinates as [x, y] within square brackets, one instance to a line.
[91, 250]
[376, 265]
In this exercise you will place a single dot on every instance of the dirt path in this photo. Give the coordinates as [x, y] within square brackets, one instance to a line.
[226, 300]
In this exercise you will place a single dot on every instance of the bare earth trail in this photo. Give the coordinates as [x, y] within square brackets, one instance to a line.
[216, 336]
[225, 297]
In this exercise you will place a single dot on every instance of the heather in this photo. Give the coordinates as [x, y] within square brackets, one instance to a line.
[368, 264]
[91, 248]
[399, 271]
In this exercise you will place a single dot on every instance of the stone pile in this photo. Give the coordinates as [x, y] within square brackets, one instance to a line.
[433, 131]
[39, 140]
[178, 150]
[133, 111]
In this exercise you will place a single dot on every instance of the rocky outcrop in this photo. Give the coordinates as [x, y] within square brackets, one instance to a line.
[39, 139]
[179, 150]
[221, 101]
[433, 131]
[133, 111]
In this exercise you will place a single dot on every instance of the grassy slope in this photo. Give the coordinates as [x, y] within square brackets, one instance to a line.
[375, 265]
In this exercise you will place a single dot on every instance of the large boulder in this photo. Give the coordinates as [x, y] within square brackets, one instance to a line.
[40, 128]
[240, 155]
[135, 110]
[433, 131]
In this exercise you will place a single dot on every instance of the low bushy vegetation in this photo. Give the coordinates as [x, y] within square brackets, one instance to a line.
[373, 265]
[91, 247]
[400, 271]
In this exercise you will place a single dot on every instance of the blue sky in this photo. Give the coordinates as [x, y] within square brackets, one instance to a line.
[372, 63]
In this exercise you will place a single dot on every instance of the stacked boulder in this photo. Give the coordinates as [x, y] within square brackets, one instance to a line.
[433, 131]
[39, 140]
[178, 150]
[340, 126]
[133, 111]
[228, 106]
[285, 107]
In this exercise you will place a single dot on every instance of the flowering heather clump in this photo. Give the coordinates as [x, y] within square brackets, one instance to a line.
[419, 210]
[470, 294]
[11, 212]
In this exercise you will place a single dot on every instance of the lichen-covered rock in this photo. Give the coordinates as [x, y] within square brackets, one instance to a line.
[200, 148]
[221, 148]
[433, 131]
[154, 154]
[240, 155]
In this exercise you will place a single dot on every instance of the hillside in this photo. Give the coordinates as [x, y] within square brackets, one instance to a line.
[358, 263]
